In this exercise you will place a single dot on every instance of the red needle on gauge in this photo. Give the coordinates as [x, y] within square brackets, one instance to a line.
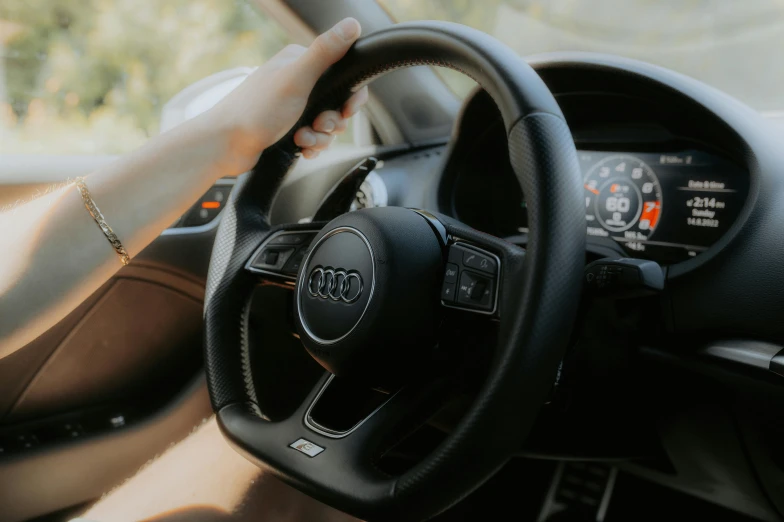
[591, 189]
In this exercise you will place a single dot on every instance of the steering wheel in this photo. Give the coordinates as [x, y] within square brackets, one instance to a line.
[373, 286]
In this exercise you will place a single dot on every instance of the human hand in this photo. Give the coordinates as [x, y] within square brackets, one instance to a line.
[271, 100]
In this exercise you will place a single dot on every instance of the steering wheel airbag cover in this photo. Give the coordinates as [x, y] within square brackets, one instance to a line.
[331, 299]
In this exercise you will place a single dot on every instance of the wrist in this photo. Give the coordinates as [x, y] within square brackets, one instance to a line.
[238, 149]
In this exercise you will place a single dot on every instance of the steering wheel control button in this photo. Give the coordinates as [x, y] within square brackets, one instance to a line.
[450, 274]
[475, 276]
[448, 291]
[295, 261]
[475, 290]
[335, 287]
[281, 254]
[291, 239]
[310, 449]
[479, 261]
[272, 258]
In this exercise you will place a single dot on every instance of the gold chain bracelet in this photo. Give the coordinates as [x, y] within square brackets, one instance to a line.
[92, 208]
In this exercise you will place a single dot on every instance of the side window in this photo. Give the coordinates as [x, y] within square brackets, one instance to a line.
[92, 76]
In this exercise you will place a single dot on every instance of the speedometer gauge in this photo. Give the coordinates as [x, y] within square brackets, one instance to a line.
[623, 199]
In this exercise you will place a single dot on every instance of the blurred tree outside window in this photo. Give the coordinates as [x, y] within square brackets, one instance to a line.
[732, 45]
[91, 76]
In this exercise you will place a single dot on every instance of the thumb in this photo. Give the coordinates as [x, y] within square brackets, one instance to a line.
[328, 48]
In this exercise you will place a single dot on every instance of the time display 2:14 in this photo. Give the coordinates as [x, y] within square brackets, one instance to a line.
[666, 207]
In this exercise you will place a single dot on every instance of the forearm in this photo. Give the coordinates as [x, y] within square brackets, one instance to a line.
[150, 188]
[54, 254]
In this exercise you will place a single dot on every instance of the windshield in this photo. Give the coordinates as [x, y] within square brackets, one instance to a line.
[733, 45]
[92, 76]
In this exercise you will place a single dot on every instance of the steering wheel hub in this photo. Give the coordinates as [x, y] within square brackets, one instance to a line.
[367, 293]
[336, 285]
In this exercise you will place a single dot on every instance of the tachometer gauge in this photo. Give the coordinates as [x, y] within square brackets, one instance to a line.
[623, 199]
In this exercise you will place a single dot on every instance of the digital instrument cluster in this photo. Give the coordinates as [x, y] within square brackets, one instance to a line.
[666, 206]
[661, 206]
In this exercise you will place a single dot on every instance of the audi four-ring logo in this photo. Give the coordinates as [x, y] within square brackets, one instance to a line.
[336, 284]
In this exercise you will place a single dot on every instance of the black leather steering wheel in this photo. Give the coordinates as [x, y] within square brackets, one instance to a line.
[374, 330]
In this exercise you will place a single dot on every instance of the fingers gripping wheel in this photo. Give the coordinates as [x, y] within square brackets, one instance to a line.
[536, 293]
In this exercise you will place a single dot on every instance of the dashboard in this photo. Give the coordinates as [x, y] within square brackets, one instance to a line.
[656, 186]
[672, 171]
[666, 206]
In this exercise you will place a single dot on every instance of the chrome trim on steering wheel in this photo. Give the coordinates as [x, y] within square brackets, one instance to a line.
[332, 434]
[334, 284]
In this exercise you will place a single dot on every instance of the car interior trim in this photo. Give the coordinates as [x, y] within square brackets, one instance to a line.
[754, 354]
[332, 434]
